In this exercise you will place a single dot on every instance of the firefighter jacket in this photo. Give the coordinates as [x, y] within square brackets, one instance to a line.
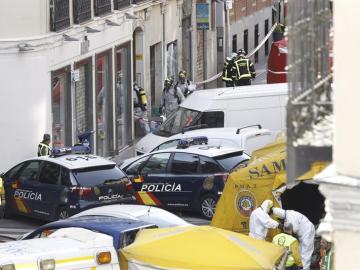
[245, 69]
[229, 70]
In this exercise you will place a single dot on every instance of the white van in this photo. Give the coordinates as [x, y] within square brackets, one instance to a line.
[224, 107]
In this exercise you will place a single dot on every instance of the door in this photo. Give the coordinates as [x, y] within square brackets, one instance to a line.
[156, 75]
[51, 189]
[184, 175]
[22, 193]
[153, 187]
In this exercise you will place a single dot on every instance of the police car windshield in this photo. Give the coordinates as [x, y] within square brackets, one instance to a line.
[94, 176]
[230, 161]
[177, 121]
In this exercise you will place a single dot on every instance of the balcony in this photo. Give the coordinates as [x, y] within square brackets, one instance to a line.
[102, 7]
[119, 4]
[82, 10]
[59, 15]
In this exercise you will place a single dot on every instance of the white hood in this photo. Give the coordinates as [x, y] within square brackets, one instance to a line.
[149, 142]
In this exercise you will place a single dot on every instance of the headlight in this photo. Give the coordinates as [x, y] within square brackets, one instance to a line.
[48, 264]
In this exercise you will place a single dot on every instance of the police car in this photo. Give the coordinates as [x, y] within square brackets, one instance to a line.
[59, 186]
[187, 177]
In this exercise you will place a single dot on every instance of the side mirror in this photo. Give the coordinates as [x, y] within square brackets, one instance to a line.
[2, 174]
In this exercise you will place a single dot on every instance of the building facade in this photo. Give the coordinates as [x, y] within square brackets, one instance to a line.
[67, 66]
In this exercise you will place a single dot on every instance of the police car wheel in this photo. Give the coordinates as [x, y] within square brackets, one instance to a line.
[62, 213]
[207, 206]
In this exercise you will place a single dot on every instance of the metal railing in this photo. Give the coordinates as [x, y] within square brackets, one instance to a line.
[102, 7]
[82, 10]
[59, 15]
[119, 4]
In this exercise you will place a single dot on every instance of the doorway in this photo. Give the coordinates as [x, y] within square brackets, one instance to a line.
[156, 76]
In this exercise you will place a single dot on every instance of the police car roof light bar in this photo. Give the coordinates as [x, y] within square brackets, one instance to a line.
[184, 143]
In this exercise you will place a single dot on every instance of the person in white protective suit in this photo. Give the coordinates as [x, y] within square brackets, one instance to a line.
[298, 224]
[260, 221]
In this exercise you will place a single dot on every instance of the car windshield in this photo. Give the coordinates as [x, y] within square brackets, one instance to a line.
[94, 176]
[177, 121]
[230, 161]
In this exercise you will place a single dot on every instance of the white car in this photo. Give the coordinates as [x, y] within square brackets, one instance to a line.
[248, 138]
[151, 214]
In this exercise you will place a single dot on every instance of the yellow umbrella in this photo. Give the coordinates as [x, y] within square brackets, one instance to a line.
[200, 248]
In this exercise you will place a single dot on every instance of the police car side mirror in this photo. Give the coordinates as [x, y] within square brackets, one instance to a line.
[2, 174]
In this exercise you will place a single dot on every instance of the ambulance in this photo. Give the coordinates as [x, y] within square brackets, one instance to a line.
[65, 249]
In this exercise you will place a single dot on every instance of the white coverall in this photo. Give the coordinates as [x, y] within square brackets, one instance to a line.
[304, 229]
[170, 100]
[260, 221]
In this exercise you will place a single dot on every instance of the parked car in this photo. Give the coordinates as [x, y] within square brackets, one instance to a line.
[77, 243]
[160, 217]
[248, 138]
[122, 230]
[224, 107]
[189, 178]
[52, 188]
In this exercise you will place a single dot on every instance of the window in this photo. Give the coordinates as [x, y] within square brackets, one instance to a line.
[102, 7]
[94, 176]
[230, 161]
[61, 107]
[59, 14]
[177, 121]
[234, 43]
[184, 163]
[83, 109]
[11, 175]
[104, 104]
[171, 60]
[66, 180]
[30, 171]
[211, 119]
[134, 168]
[157, 163]
[81, 10]
[166, 145]
[246, 41]
[50, 174]
[208, 165]
[123, 102]
[256, 41]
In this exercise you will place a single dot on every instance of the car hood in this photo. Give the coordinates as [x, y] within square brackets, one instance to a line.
[149, 142]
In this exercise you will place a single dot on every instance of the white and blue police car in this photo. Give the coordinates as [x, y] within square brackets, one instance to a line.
[58, 186]
[188, 177]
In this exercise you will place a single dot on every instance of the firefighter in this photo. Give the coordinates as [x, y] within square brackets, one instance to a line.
[140, 111]
[183, 83]
[44, 148]
[292, 245]
[229, 70]
[171, 98]
[245, 70]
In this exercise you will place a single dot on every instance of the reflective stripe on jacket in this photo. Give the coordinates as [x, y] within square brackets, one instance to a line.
[43, 149]
[244, 69]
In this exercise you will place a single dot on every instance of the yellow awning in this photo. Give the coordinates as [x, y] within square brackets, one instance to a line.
[201, 248]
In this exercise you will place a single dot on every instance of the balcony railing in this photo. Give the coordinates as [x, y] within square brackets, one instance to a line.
[119, 4]
[82, 10]
[59, 15]
[102, 7]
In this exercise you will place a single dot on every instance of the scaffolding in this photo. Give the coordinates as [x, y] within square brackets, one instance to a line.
[310, 83]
